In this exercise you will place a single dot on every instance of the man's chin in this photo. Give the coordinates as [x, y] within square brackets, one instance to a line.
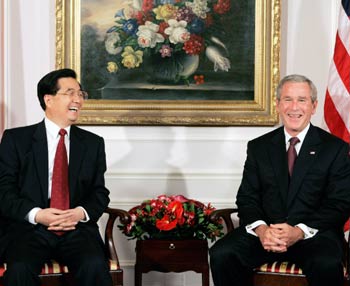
[73, 120]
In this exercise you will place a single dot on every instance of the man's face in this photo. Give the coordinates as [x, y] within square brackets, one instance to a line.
[295, 106]
[64, 107]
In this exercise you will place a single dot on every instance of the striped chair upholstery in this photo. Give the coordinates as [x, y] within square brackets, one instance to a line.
[278, 273]
[55, 274]
[279, 267]
[53, 267]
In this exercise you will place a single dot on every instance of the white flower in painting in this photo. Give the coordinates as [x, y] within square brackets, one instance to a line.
[111, 43]
[220, 62]
[177, 31]
[199, 8]
[136, 5]
[148, 36]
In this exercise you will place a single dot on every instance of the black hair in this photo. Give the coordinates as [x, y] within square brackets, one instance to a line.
[48, 84]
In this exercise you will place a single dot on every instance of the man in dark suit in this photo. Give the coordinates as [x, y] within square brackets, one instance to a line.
[295, 215]
[33, 230]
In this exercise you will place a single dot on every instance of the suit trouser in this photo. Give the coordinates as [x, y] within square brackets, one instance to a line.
[233, 258]
[81, 250]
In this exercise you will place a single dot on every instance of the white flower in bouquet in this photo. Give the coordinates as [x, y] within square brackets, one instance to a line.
[148, 36]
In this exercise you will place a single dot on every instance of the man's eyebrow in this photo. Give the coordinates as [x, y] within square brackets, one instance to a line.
[72, 89]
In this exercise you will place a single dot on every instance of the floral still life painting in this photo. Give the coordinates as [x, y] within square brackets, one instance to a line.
[168, 49]
[172, 217]
[169, 36]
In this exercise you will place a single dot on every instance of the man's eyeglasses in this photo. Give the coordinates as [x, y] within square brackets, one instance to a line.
[71, 92]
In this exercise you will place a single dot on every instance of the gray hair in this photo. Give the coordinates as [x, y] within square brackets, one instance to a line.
[297, 78]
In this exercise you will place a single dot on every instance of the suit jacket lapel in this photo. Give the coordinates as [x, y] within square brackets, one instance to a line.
[41, 157]
[304, 161]
[279, 162]
[76, 152]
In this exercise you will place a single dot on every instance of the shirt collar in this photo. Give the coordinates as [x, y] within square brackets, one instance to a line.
[301, 135]
[53, 129]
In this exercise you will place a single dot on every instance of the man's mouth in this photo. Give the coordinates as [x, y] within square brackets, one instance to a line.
[294, 115]
[74, 109]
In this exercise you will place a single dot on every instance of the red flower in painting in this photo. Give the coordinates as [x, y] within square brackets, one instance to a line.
[172, 217]
[222, 6]
[194, 46]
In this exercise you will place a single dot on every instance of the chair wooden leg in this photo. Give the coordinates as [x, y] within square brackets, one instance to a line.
[117, 277]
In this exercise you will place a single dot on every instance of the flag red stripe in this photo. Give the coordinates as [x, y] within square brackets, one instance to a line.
[342, 62]
[333, 120]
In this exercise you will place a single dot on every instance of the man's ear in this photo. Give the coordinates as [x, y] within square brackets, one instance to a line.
[47, 99]
[277, 105]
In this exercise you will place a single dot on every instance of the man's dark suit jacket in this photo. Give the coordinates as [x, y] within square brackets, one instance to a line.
[24, 177]
[318, 194]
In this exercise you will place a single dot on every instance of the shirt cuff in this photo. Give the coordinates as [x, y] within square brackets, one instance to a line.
[309, 232]
[87, 218]
[31, 215]
[250, 227]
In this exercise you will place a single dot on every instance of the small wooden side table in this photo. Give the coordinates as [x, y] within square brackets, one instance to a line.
[172, 256]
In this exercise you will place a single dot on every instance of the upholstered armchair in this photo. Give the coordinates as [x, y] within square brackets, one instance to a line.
[278, 273]
[55, 274]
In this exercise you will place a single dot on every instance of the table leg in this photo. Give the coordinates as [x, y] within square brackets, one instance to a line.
[138, 276]
[205, 277]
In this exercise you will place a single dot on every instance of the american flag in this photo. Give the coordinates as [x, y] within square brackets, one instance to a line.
[337, 101]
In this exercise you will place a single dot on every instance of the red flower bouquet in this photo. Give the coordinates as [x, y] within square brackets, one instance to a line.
[172, 217]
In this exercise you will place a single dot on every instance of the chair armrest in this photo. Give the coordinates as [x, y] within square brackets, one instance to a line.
[124, 218]
[225, 214]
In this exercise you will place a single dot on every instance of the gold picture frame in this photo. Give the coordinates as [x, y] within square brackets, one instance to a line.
[257, 111]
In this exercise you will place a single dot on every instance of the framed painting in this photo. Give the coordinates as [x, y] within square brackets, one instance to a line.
[172, 62]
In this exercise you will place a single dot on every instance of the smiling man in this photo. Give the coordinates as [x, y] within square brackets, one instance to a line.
[52, 190]
[294, 197]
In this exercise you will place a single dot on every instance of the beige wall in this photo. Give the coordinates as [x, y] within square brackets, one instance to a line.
[203, 163]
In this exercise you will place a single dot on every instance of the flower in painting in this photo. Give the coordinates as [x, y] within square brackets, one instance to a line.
[172, 217]
[197, 26]
[112, 67]
[166, 51]
[165, 12]
[148, 36]
[130, 26]
[194, 46]
[177, 31]
[199, 8]
[136, 4]
[111, 43]
[147, 5]
[222, 6]
[162, 27]
[131, 58]
[185, 13]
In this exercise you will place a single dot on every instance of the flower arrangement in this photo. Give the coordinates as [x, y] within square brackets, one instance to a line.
[167, 29]
[172, 217]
